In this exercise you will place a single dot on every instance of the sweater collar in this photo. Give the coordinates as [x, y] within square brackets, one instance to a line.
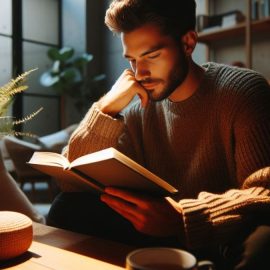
[193, 101]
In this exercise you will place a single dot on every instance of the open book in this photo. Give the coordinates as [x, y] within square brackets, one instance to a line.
[101, 169]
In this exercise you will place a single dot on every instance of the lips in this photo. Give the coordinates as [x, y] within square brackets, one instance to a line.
[149, 86]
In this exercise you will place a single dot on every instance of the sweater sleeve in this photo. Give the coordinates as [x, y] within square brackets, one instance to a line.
[95, 132]
[217, 218]
[252, 128]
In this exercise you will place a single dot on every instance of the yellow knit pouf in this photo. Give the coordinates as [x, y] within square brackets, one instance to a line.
[16, 234]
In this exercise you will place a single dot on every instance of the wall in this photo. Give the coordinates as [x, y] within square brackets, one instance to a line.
[74, 27]
[74, 35]
[114, 63]
[83, 29]
[201, 51]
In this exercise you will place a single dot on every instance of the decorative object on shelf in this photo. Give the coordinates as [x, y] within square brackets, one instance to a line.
[7, 94]
[16, 234]
[248, 40]
[223, 20]
[68, 77]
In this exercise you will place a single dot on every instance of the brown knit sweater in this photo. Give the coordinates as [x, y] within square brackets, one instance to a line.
[206, 146]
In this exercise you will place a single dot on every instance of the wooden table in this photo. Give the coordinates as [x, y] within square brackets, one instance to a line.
[54, 248]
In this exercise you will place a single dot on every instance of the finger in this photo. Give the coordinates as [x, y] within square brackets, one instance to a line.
[129, 71]
[129, 216]
[128, 196]
[125, 209]
[144, 98]
[126, 214]
[118, 202]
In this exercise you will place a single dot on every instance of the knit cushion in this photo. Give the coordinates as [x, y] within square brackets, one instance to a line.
[16, 234]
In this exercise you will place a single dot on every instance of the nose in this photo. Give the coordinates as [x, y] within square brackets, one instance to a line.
[141, 71]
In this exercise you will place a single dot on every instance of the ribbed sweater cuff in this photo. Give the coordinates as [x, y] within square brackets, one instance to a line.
[95, 132]
[102, 124]
[216, 218]
[197, 225]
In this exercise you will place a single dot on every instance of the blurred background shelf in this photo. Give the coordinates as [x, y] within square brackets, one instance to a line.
[258, 26]
[246, 42]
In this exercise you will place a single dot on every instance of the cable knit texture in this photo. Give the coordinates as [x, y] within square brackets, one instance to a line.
[207, 146]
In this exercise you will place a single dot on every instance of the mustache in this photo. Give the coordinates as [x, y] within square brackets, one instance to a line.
[149, 80]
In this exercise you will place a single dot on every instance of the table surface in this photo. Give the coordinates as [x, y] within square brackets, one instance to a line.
[59, 249]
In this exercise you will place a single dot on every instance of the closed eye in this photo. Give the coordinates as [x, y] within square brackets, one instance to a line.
[153, 56]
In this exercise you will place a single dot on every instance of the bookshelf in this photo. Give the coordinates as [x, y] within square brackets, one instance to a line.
[222, 33]
[246, 30]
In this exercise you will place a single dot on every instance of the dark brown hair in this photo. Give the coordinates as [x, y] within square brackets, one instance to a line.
[173, 17]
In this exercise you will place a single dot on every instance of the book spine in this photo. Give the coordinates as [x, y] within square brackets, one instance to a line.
[202, 22]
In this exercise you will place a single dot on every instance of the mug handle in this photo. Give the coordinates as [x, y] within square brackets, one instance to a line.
[206, 265]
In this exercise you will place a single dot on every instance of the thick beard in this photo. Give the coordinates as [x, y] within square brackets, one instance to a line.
[176, 76]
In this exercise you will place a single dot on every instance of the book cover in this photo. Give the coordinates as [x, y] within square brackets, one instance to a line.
[107, 167]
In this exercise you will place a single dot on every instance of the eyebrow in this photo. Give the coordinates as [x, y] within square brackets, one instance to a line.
[151, 50]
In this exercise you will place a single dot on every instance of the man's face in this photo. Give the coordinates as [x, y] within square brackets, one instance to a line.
[158, 61]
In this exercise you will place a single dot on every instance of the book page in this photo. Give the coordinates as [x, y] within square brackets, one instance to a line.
[49, 159]
[93, 157]
[101, 169]
[68, 177]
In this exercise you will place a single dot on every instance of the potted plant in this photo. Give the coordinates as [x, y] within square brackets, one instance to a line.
[67, 76]
[7, 93]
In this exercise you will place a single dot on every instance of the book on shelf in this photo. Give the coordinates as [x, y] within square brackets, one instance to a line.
[104, 168]
[207, 23]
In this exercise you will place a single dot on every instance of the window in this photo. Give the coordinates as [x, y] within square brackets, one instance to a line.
[5, 41]
[28, 29]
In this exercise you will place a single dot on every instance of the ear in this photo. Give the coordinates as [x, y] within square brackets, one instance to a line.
[189, 41]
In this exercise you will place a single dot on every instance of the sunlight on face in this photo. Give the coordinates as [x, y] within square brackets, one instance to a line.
[158, 61]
